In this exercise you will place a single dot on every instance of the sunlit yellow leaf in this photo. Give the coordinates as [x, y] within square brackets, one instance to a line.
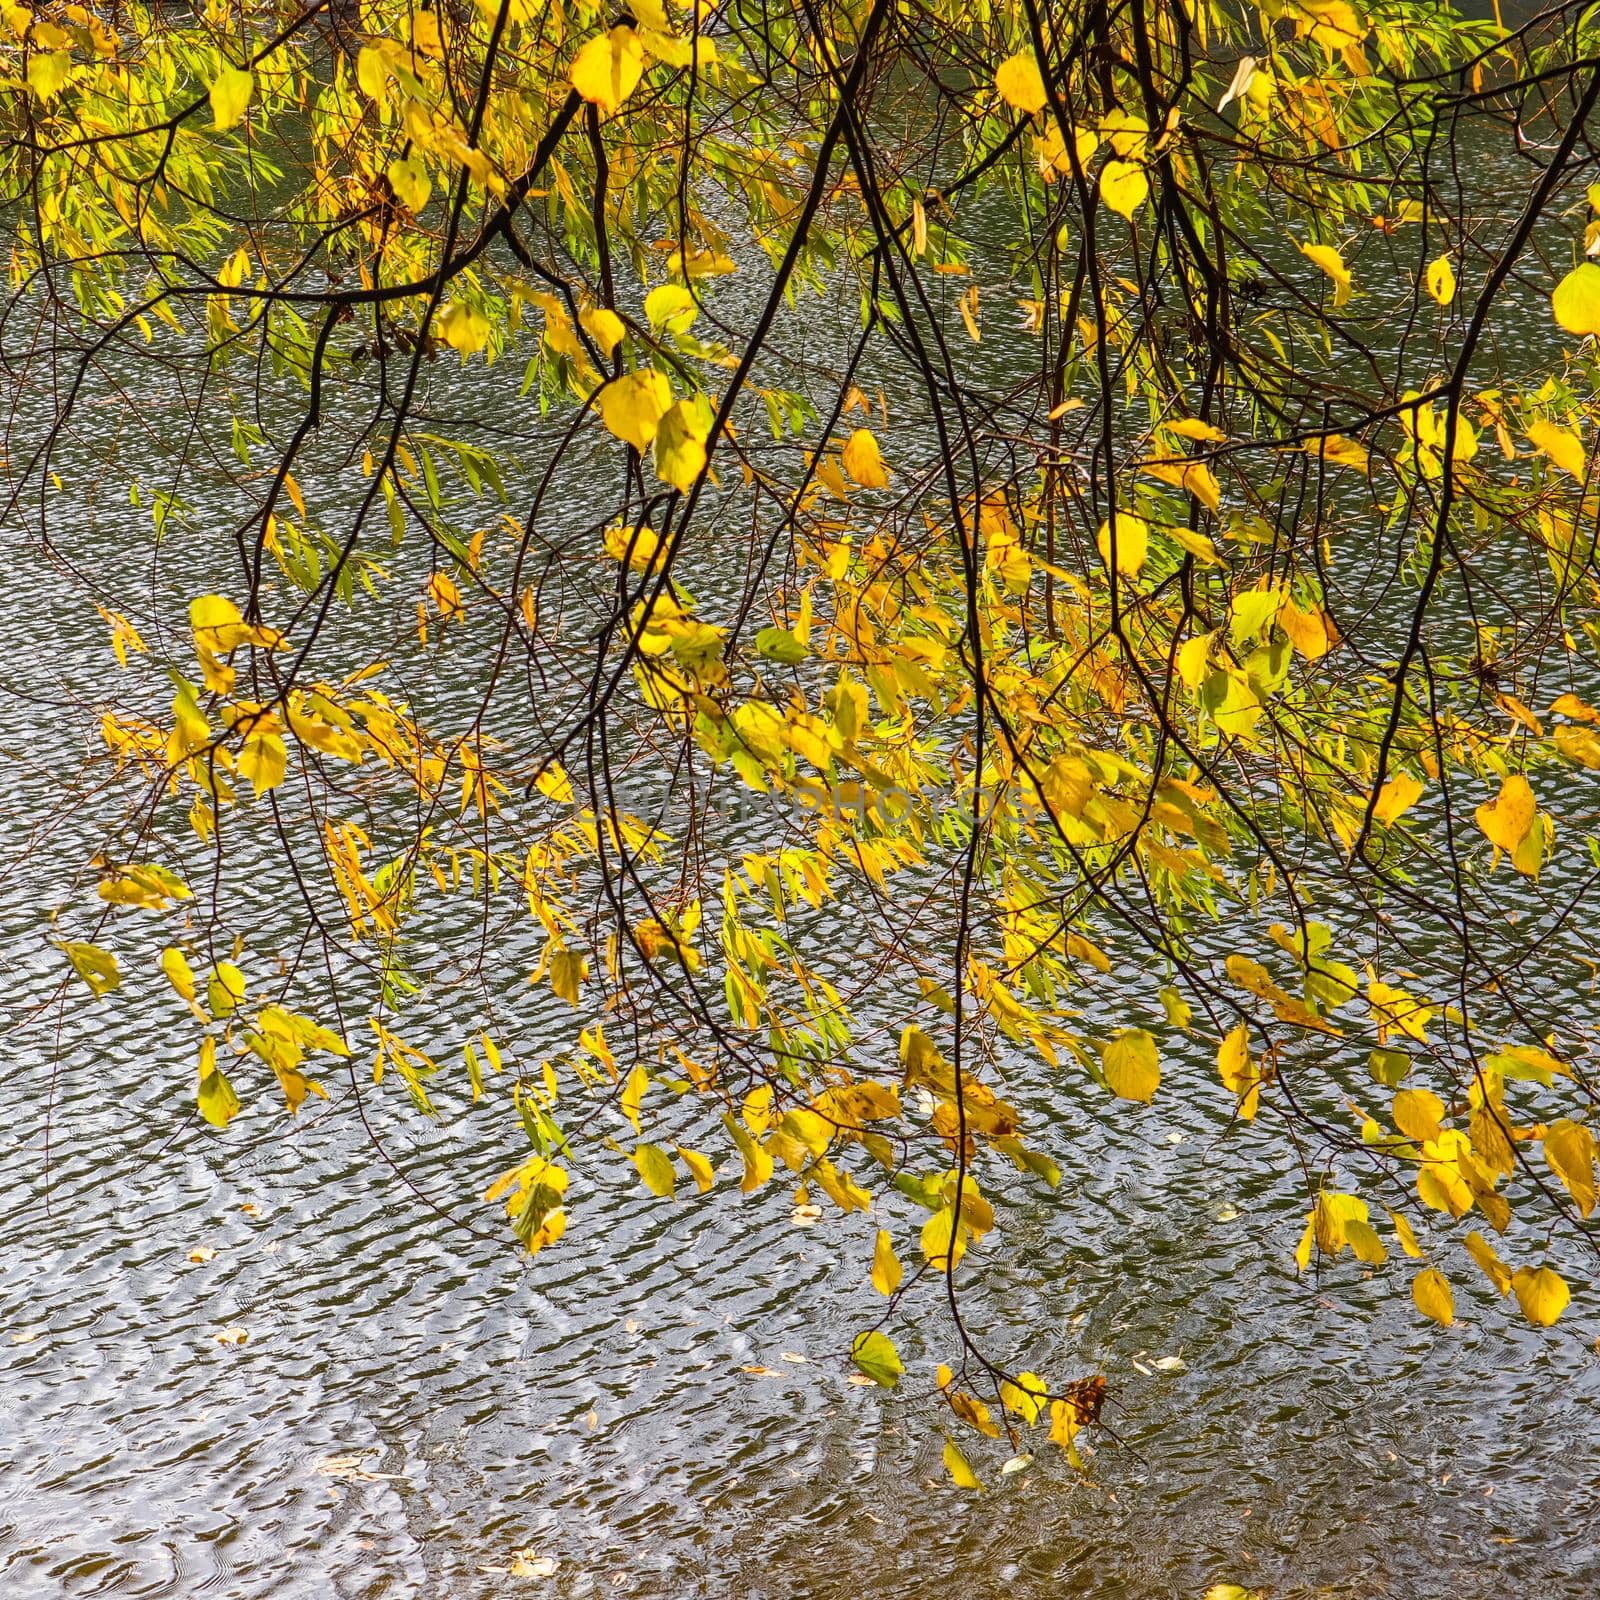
[670, 306]
[1494, 1269]
[633, 405]
[464, 328]
[225, 989]
[1561, 445]
[959, 1468]
[178, 972]
[1124, 187]
[700, 1168]
[1332, 263]
[1396, 797]
[1442, 280]
[264, 760]
[411, 184]
[1238, 1072]
[680, 443]
[1025, 1397]
[655, 1168]
[1569, 1147]
[97, 967]
[1541, 1292]
[1132, 1066]
[1132, 543]
[862, 460]
[1576, 301]
[1430, 1289]
[1506, 819]
[886, 1268]
[48, 71]
[605, 327]
[1408, 1239]
[1417, 1114]
[218, 1104]
[230, 95]
[608, 68]
[1020, 84]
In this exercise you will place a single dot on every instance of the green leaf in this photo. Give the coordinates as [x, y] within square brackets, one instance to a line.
[875, 1355]
[779, 644]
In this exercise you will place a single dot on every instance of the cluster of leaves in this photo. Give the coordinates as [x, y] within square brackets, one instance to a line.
[1140, 653]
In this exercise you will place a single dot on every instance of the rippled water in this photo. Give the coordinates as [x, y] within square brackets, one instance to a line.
[661, 1405]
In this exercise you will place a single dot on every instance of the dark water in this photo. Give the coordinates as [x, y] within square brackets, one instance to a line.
[660, 1405]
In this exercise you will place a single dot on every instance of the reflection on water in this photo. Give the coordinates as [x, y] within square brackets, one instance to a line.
[660, 1405]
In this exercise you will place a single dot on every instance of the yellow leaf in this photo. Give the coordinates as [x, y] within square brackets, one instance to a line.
[886, 1269]
[225, 989]
[1576, 301]
[1132, 1066]
[1193, 428]
[608, 68]
[633, 405]
[97, 967]
[1431, 1291]
[1020, 85]
[264, 761]
[1407, 1238]
[1494, 1269]
[230, 94]
[219, 1105]
[1310, 631]
[699, 1168]
[463, 328]
[1025, 1398]
[959, 1467]
[410, 181]
[1569, 1148]
[1561, 445]
[1124, 187]
[1132, 543]
[681, 444]
[48, 71]
[633, 1088]
[1442, 280]
[605, 327]
[1541, 1292]
[973, 1411]
[862, 460]
[757, 1163]
[1332, 263]
[1363, 1240]
[178, 972]
[944, 1240]
[655, 1167]
[1507, 819]
[670, 306]
[1417, 1114]
[1397, 797]
[567, 970]
[1194, 659]
[1238, 1071]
